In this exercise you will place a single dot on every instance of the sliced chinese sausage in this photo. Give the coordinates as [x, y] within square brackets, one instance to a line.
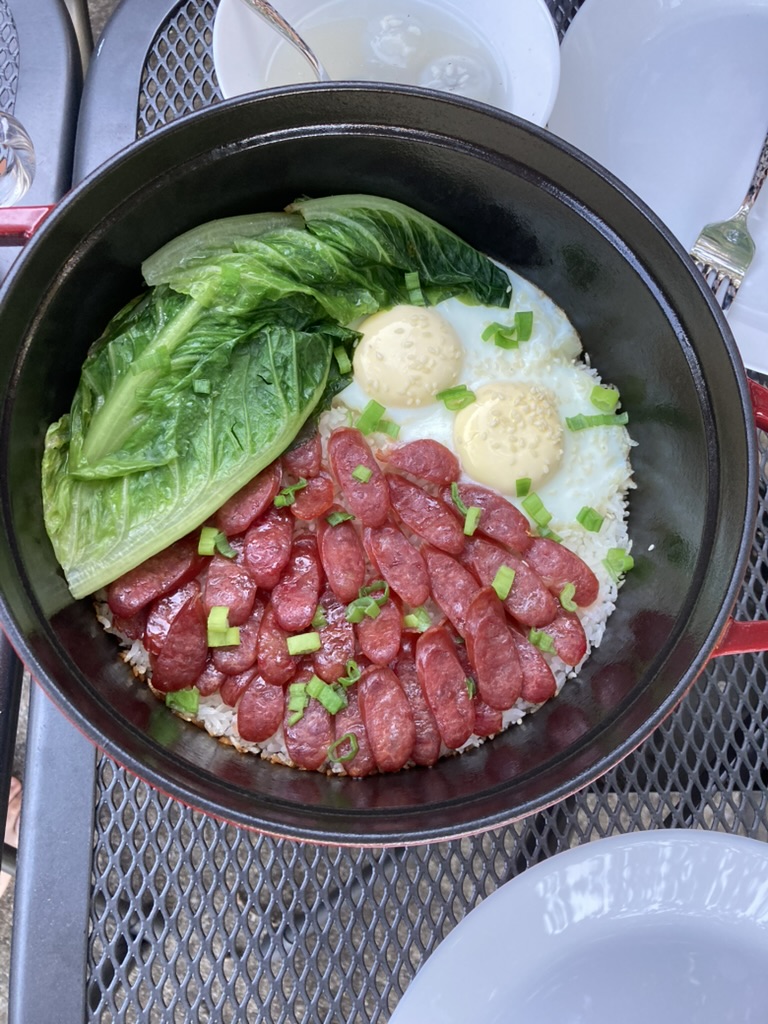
[528, 601]
[210, 679]
[425, 515]
[453, 587]
[295, 597]
[229, 584]
[350, 457]
[342, 558]
[443, 681]
[388, 719]
[274, 662]
[558, 566]
[267, 546]
[568, 636]
[260, 710]
[176, 639]
[237, 514]
[379, 638]
[398, 562]
[538, 680]
[499, 519]
[159, 575]
[235, 686]
[426, 749]
[304, 459]
[492, 651]
[349, 722]
[315, 499]
[337, 639]
[488, 720]
[132, 626]
[307, 740]
[236, 658]
[426, 459]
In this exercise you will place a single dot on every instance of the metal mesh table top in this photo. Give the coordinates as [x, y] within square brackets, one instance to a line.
[191, 919]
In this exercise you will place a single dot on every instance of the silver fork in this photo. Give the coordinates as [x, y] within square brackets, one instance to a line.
[724, 250]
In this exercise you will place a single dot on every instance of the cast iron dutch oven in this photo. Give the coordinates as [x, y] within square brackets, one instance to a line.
[524, 198]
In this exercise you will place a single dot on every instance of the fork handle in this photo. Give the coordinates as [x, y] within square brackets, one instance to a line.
[757, 179]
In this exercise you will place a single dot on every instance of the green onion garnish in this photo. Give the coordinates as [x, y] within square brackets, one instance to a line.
[360, 607]
[377, 587]
[206, 545]
[201, 386]
[332, 700]
[369, 418]
[223, 546]
[220, 633]
[581, 422]
[345, 366]
[618, 562]
[335, 757]
[456, 498]
[413, 287]
[590, 519]
[417, 618]
[471, 520]
[390, 428]
[362, 474]
[334, 518]
[471, 686]
[522, 486]
[502, 581]
[604, 399]
[303, 643]
[566, 597]
[542, 640]
[218, 618]
[544, 531]
[297, 701]
[288, 494]
[187, 701]
[456, 398]
[508, 336]
[534, 506]
[319, 620]
[353, 673]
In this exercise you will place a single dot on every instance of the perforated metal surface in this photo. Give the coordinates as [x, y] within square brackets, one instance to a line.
[9, 59]
[194, 920]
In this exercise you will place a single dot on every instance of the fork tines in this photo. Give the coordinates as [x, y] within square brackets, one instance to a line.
[723, 284]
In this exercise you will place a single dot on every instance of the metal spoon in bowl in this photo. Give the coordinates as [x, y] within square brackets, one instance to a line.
[277, 21]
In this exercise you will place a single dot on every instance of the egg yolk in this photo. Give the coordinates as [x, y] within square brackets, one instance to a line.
[406, 355]
[512, 431]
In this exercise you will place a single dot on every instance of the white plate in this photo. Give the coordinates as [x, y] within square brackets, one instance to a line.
[672, 96]
[519, 34]
[669, 927]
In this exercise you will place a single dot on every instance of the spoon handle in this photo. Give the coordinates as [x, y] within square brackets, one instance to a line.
[277, 21]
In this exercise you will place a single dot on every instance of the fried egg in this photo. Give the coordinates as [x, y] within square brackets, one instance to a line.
[514, 425]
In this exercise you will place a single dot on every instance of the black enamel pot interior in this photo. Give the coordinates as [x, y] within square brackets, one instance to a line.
[522, 197]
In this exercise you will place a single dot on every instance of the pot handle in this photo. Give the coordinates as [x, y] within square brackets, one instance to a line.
[11, 676]
[747, 637]
[19, 223]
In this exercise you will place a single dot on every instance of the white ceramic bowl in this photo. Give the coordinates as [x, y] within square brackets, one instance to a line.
[504, 52]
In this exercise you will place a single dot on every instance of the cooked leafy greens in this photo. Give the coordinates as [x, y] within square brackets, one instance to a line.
[209, 375]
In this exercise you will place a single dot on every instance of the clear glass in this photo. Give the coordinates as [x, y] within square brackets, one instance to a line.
[17, 160]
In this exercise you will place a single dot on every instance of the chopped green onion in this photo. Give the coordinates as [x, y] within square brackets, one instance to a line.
[542, 640]
[508, 336]
[229, 637]
[456, 498]
[390, 428]
[604, 399]
[471, 686]
[223, 546]
[288, 494]
[502, 581]
[413, 287]
[618, 562]
[471, 520]
[581, 422]
[360, 607]
[297, 702]
[335, 757]
[338, 517]
[342, 359]
[590, 519]
[544, 531]
[456, 398]
[534, 506]
[362, 474]
[303, 643]
[319, 620]
[566, 597]
[187, 701]
[206, 545]
[201, 387]
[331, 699]
[524, 324]
[369, 418]
[417, 618]
[377, 587]
[353, 674]
[218, 618]
[522, 486]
